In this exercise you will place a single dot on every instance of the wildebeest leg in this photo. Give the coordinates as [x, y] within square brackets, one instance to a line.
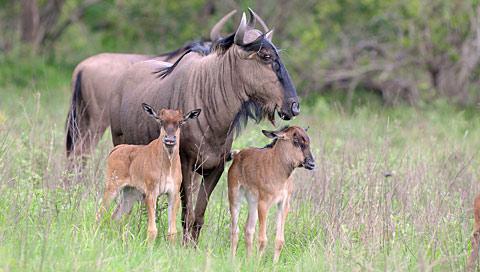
[280, 237]
[234, 200]
[262, 226]
[188, 181]
[250, 224]
[151, 202]
[206, 188]
[129, 197]
[173, 201]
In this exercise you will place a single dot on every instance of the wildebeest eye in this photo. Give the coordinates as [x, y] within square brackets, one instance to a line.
[265, 57]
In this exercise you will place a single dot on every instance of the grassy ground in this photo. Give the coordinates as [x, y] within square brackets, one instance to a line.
[346, 215]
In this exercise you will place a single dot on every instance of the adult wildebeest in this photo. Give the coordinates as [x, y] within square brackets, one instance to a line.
[93, 82]
[243, 72]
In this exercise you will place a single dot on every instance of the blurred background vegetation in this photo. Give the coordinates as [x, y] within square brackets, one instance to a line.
[413, 51]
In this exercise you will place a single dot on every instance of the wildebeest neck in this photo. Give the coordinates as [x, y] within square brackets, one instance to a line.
[215, 87]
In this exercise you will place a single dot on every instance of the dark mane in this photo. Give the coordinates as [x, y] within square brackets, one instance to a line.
[196, 48]
[200, 46]
[222, 45]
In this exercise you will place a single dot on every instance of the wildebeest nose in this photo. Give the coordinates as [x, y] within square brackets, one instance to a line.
[170, 140]
[295, 108]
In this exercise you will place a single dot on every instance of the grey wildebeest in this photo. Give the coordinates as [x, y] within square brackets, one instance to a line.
[242, 77]
[94, 81]
[153, 169]
[263, 175]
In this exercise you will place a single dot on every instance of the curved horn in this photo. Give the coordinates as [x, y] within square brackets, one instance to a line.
[240, 33]
[252, 19]
[260, 20]
[215, 32]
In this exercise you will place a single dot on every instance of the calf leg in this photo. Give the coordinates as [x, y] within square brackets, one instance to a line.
[151, 202]
[250, 225]
[279, 237]
[130, 196]
[204, 193]
[110, 193]
[262, 228]
[173, 201]
[234, 201]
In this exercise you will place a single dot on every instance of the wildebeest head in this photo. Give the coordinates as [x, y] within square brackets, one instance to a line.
[259, 65]
[298, 145]
[169, 122]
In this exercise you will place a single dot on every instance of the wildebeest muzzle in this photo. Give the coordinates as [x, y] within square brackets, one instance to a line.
[169, 141]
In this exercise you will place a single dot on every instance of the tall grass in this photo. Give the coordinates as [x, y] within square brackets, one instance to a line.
[393, 190]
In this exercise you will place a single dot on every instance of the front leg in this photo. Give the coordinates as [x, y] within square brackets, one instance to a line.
[206, 188]
[151, 202]
[173, 202]
[280, 236]
[262, 226]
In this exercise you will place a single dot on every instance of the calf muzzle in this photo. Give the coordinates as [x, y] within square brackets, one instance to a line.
[169, 141]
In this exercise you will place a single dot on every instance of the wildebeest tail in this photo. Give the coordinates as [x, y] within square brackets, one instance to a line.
[76, 106]
[231, 155]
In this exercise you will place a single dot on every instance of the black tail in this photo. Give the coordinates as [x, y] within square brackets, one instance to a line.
[73, 115]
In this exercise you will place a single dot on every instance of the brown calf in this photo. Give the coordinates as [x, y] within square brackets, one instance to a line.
[476, 235]
[264, 176]
[152, 169]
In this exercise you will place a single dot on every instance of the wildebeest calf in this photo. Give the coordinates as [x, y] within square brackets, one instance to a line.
[152, 169]
[264, 175]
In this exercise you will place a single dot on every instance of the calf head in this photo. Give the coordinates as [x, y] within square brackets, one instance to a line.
[295, 143]
[170, 122]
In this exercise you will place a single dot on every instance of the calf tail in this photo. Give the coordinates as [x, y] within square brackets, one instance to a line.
[71, 123]
[231, 155]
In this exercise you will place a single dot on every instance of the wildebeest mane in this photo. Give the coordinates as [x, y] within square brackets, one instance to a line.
[201, 46]
[165, 71]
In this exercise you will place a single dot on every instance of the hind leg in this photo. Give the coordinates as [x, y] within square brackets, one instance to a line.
[130, 196]
[234, 200]
[110, 193]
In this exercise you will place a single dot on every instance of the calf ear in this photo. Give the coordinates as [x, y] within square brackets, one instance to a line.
[149, 110]
[191, 115]
[274, 134]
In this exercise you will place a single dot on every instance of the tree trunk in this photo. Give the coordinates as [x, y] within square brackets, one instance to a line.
[30, 21]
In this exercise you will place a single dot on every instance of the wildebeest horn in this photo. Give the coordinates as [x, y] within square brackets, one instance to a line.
[215, 33]
[240, 33]
[252, 19]
[260, 20]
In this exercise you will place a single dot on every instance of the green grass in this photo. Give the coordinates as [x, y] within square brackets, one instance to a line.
[346, 215]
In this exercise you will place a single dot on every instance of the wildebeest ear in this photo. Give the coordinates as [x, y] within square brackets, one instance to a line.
[191, 115]
[149, 110]
[306, 129]
[269, 35]
[274, 134]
